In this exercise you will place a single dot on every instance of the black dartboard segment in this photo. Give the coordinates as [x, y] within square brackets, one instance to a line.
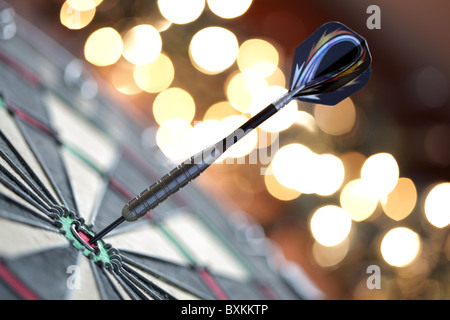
[67, 167]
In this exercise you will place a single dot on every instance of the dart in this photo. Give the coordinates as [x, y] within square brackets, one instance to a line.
[329, 66]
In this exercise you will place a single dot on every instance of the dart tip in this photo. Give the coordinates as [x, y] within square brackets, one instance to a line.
[106, 230]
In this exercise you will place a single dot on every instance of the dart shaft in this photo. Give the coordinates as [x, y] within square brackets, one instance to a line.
[190, 169]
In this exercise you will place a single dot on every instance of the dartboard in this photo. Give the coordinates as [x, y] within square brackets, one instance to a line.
[70, 158]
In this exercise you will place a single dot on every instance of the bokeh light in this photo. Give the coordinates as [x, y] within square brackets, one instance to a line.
[173, 103]
[437, 205]
[213, 49]
[204, 134]
[171, 138]
[400, 246]
[297, 167]
[277, 78]
[103, 47]
[401, 201]
[122, 79]
[242, 88]
[84, 5]
[356, 197]
[329, 174]
[142, 44]
[277, 190]
[155, 76]
[330, 256]
[380, 172]
[229, 9]
[306, 121]
[338, 119]
[291, 167]
[280, 121]
[75, 19]
[258, 56]
[330, 225]
[181, 11]
[219, 111]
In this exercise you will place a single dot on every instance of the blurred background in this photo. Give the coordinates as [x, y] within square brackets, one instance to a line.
[339, 189]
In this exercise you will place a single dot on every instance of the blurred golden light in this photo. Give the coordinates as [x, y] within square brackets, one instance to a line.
[173, 103]
[229, 9]
[246, 144]
[219, 111]
[259, 56]
[291, 166]
[241, 89]
[171, 138]
[277, 78]
[380, 171]
[306, 120]
[330, 256]
[213, 49]
[329, 174]
[401, 201]
[75, 19]
[181, 11]
[155, 76]
[204, 134]
[330, 225]
[437, 205]
[84, 5]
[142, 44]
[278, 190]
[356, 197]
[400, 246]
[103, 47]
[122, 80]
[280, 121]
[338, 119]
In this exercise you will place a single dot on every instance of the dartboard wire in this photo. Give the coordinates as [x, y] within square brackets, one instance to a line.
[37, 184]
[96, 269]
[34, 182]
[151, 288]
[52, 135]
[25, 196]
[110, 276]
[47, 222]
[15, 183]
[125, 254]
[130, 291]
